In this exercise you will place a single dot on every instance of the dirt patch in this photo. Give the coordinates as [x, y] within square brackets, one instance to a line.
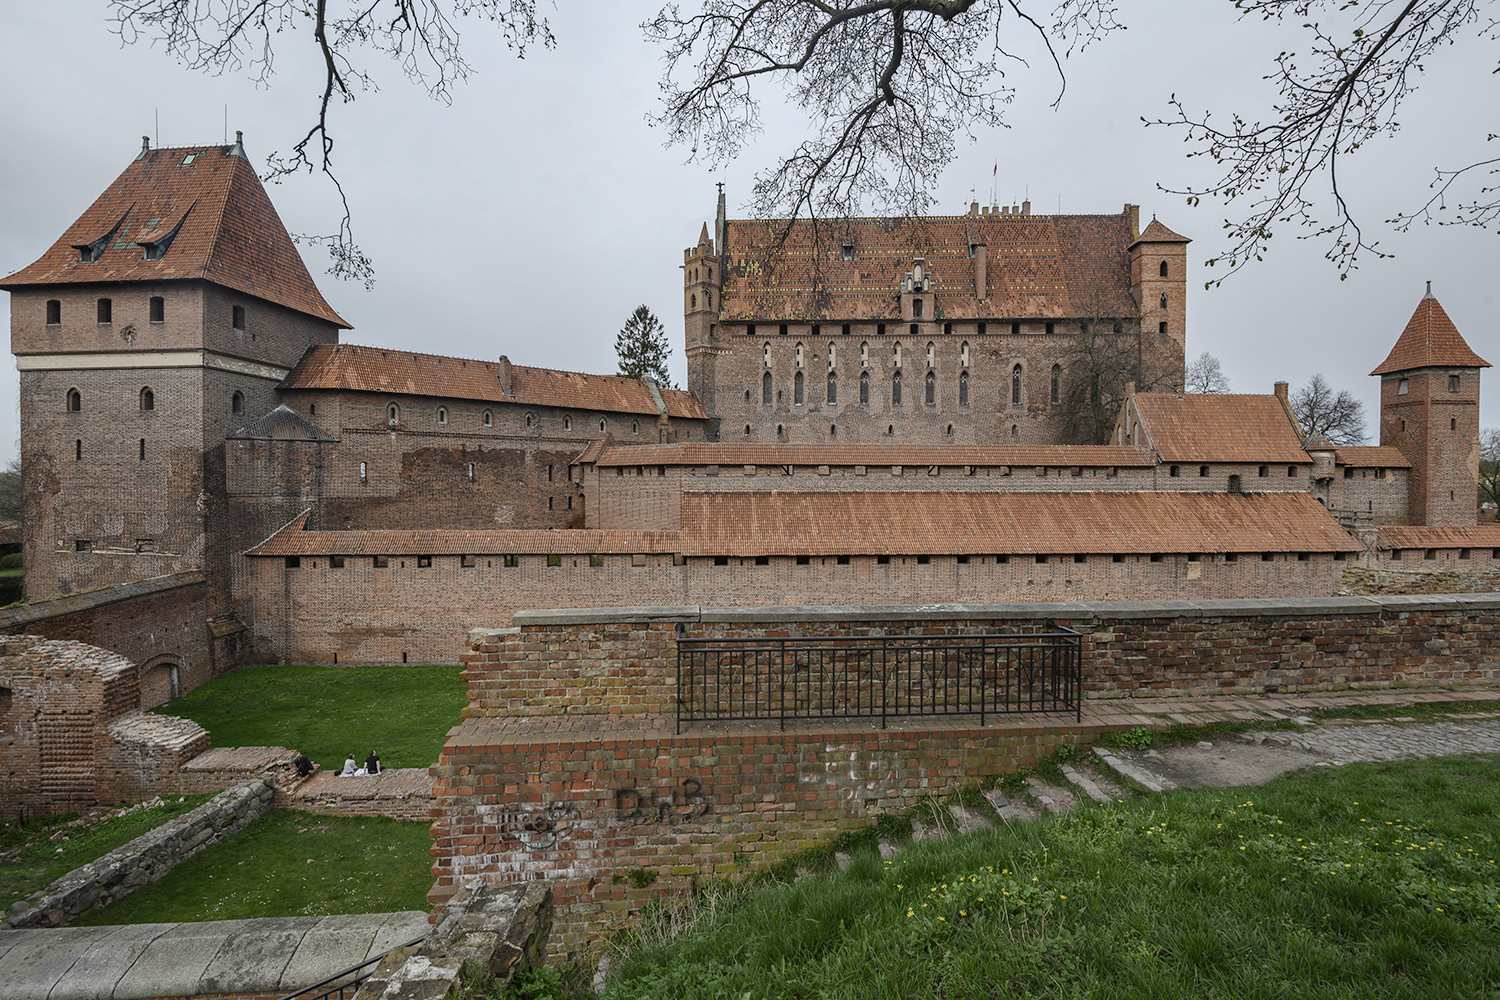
[1227, 764]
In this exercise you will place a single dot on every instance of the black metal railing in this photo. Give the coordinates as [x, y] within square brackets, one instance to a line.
[879, 676]
[352, 985]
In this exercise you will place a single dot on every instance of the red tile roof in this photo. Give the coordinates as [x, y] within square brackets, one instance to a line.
[1371, 457]
[294, 540]
[775, 523]
[230, 233]
[1219, 428]
[1093, 456]
[349, 367]
[1479, 536]
[1430, 340]
[1056, 266]
[1158, 233]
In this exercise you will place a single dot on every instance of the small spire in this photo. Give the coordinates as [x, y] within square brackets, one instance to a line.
[145, 147]
[1429, 291]
[238, 149]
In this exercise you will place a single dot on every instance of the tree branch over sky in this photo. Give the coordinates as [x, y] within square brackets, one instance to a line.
[420, 36]
[888, 88]
[1343, 92]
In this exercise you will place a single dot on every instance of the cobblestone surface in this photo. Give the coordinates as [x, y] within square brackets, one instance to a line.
[1342, 744]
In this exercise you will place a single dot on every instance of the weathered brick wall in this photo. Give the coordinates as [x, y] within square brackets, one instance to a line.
[1382, 493]
[313, 612]
[567, 762]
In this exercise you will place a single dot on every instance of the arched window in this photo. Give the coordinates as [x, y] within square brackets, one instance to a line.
[237, 403]
[799, 354]
[393, 414]
[694, 304]
[896, 387]
[765, 354]
[488, 419]
[797, 390]
[148, 399]
[1015, 388]
[931, 355]
[864, 354]
[833, 387]
[1163, 269]
[765, 389]
[567, 422]
[603, 425]
[635, 427]
[442, 414]
[864, 387]
[1013, 432]
[931, 388]
[1057, 383]
[530, 420]
[75, 401]
[963, 354]
[1164, 300]
[747, 430]
[963, 388]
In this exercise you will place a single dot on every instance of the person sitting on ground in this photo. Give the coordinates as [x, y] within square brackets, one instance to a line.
[372, 764]
[304, 766]
[349, 768]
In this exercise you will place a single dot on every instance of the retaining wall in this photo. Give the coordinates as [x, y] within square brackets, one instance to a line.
[145, 859]
[567, 764]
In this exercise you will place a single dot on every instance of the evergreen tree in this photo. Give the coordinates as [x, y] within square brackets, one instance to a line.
[642, 348]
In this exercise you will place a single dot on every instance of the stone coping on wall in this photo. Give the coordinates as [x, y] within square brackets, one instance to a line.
[90, 599]
[1066, 611]
[137, 961]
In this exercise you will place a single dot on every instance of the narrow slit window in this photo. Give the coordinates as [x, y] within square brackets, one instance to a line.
[1015, 386]
[142, 455]
[797, 383]
[864, 387]
[442, 415]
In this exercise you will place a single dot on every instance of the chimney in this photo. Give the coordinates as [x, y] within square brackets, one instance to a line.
[1132, 215]
[973, 209]
[505, 375]
[1281, 391]
[146, 148]
[1005, 210]
[1025, 208]
[981, 271]
[1015, 210]
[1129, 389]
[985, 211]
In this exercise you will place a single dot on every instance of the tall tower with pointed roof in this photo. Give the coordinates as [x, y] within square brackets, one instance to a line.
[160, 322]
[1158, 282]
[701, 281]
[1429, 408]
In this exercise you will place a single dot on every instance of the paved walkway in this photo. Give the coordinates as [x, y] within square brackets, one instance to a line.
[137, 961]
[1342, 744]
[393, 783]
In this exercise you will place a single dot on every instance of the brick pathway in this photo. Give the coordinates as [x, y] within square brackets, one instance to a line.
[393, 783]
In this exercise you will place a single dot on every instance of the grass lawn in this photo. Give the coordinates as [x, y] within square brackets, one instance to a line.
[404, 713]
[31, 860]
[290, 864]
[1371, 880]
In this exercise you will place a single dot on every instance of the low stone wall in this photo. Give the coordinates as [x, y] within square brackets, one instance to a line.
[397, 793]
[219, 768]
[500, 928]
[145, 859]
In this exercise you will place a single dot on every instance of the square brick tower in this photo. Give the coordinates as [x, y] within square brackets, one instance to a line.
[160, 322]
[1429, 408]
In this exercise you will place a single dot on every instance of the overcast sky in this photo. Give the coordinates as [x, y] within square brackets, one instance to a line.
[531, 216]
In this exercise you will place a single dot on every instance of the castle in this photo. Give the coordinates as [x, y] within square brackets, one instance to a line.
[878, 411]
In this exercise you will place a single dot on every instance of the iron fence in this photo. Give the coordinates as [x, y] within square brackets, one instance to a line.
[879, 676]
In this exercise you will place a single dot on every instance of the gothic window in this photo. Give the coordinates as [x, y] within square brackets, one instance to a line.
[530, 419]
[931, 354]
[765, 389]
[765, 354]
[393, 414]
[1015, 387]
[1164, 300]
[1057, 383]
[567, 421]
[75, 401]
[797, 390]
[488, 419]
[931, 388]
[896, 387]
[635, 428]
[442, 414]
[603, 425]
[864, 354]
[963, 388]
[237, 403]
[864, 387]
[897, 354]
[799, 355]
[833, 387]
[148, 399]
[963, 354]
[1163, 269]
[833, 351]
[693, 302]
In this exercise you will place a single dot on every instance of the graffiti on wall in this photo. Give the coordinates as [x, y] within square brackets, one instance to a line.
[543, 828]
[684, 804]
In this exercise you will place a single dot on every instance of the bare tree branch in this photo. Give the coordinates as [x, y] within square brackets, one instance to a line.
[1204, 375]
[420, 36]
[1339, 417]
[1347, 93]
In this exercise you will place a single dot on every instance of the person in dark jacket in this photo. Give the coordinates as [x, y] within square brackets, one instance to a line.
[372, 764]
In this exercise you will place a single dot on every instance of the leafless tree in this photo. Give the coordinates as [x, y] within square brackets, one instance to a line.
[420, 36]
[1489, 465]
[1098, 364]
[889, 88]
[1347, 90]
[1203, 375]
[1338, 416]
